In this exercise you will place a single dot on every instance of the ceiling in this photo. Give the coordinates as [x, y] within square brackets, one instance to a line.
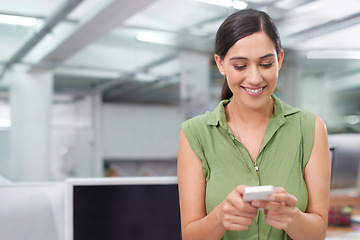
[92, 44]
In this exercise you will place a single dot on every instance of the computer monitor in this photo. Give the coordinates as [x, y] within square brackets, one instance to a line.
[32, 211]
[345, 163]
[133, 208]
[332, 159]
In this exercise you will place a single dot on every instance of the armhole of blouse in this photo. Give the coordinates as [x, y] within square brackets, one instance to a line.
[307, 121]
[195, 144]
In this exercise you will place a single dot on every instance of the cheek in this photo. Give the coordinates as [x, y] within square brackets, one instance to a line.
[271, 76]
[234, 79]
[234, 75]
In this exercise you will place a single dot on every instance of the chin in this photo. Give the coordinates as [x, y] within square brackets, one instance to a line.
[258, 103]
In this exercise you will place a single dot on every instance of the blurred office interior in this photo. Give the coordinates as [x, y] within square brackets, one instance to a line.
[87, 85]
[94, 88]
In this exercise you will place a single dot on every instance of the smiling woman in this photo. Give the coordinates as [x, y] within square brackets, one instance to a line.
[251, 66]
[248, 140]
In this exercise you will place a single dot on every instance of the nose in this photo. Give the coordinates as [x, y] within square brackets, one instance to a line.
[254, 76]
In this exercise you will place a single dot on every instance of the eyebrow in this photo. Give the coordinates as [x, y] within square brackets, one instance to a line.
[244, 58]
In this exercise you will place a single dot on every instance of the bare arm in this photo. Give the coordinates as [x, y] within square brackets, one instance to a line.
[281, 211]
[232, 214]
[313, 223]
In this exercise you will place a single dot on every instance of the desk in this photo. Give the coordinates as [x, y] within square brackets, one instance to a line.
[344, 200]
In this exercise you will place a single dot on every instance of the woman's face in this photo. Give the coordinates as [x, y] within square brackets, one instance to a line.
[251, 67]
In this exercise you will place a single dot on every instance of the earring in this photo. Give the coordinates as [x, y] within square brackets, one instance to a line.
[223, 73]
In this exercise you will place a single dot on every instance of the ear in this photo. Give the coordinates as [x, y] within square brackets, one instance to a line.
[220, 64]
[280, 59]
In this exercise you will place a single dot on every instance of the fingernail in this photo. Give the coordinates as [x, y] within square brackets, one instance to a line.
[256, 203]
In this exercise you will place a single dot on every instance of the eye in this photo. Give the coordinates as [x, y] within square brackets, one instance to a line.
[267, 65]
[240, 67]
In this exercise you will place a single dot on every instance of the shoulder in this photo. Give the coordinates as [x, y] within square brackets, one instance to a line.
[308, 118]
[195, 122]
[320, 127]
[287, 110]
[209, 118]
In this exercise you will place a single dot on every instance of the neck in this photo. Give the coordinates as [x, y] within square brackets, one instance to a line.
[248, 115]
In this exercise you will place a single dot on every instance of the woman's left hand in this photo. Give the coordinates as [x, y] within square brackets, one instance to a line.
[280, 209]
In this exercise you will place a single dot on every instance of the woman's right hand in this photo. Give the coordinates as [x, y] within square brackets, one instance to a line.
[235, 214]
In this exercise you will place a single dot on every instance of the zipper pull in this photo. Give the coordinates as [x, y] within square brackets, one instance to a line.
[255, 166]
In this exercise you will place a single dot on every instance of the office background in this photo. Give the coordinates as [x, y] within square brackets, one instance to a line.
[94, 88]
[90, 86]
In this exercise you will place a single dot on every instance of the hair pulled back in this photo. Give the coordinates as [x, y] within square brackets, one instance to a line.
[239, 25]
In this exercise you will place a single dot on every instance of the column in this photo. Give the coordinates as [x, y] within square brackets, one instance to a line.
[195, 82]
[30, 134]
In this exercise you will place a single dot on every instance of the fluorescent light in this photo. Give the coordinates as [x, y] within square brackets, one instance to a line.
[5, 123]
[333, 54]
[353, 119]
[87, 72]
[222, 3]
[18, 20]
[237, 4]
[157, 37]
[144, 77]
[240, 5]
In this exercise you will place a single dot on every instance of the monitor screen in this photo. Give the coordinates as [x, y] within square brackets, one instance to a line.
[332, 160]
[345, 163]
[135, 208]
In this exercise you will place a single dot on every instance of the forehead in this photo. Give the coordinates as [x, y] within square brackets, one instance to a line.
[253, 46]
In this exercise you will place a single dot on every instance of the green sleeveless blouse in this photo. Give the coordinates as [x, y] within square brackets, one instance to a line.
[226, 163]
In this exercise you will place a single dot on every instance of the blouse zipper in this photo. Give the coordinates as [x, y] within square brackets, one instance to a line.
[255, 167]
[254, 162]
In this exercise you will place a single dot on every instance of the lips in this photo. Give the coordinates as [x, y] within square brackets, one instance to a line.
[254, 91]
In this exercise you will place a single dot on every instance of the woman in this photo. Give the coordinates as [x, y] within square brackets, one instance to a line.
[252, 138]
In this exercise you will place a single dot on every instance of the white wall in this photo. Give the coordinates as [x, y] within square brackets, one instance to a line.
[72, 142]
[4, 151]
[140, 131]
[316, 97]
[320, 94]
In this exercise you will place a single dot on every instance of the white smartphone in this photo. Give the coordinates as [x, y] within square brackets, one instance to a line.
[257, 193]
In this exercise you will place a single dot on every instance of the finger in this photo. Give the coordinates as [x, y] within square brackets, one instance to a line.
[233, 226]
[280, 219]
[236, 223]
[259, 203]
[276, 223]
[235, 205]
[235, 198]
[240, 189]
[241, 204]
[245, 210]
[238, 220]
[287, 199]
[275, 207]
[279, 190]
[278, 212]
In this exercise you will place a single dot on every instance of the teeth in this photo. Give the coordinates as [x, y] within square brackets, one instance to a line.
[254, 90]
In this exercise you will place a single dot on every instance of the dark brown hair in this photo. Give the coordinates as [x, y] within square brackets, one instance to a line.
[239, 25]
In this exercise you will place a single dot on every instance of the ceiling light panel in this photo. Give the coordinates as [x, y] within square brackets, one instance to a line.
[240, 5]
[221, 3]
[175, 16]
[18, 20]
[30, 7]
[158, 37]
[347, 38]
[333, 54]
[309, 15]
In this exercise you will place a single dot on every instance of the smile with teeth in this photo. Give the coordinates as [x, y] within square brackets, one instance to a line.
[254, 90]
